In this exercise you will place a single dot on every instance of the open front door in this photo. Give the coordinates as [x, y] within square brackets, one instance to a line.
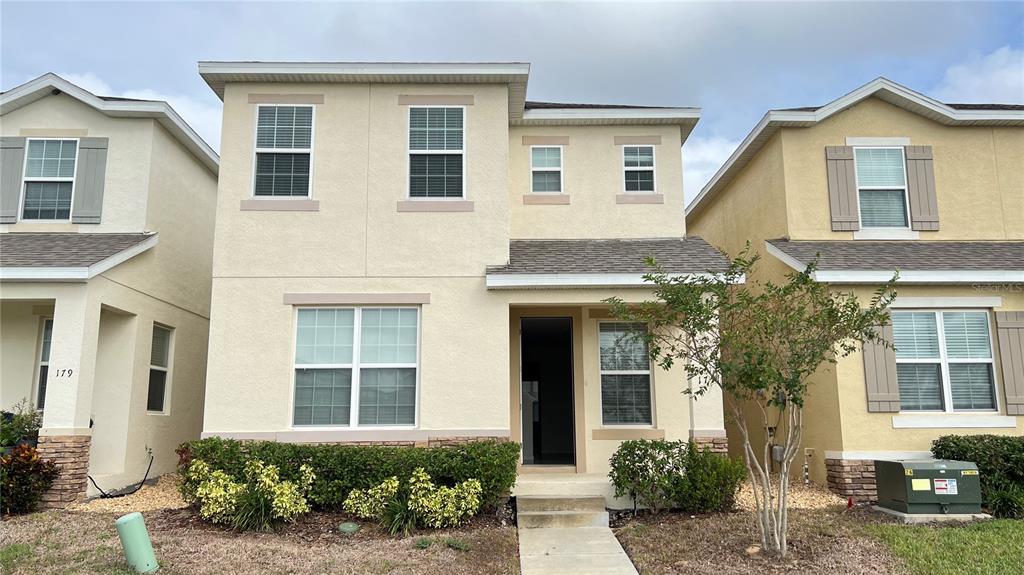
[546, 387]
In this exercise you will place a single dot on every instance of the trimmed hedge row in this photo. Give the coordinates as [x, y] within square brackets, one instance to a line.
[342, 468]
[1000, 460]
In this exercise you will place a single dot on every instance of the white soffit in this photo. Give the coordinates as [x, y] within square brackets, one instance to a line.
[880, 88]
[162, 112]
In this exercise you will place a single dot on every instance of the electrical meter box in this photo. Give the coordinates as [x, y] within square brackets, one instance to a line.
[933, 486]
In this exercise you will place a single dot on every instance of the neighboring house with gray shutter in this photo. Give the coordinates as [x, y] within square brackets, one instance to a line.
[106, 247]
[879, 180]
[415, 254]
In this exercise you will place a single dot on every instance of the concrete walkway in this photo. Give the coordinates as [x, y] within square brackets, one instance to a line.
[572, 551]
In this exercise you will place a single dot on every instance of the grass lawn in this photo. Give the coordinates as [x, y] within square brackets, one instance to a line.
[991, 547]
[78, 542]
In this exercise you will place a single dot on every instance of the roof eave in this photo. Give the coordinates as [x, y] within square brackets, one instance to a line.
[160, 111]
[76, 273]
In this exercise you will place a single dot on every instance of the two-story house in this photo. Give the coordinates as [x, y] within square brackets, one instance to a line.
[106, 241]
[879, 180]
[415, 254]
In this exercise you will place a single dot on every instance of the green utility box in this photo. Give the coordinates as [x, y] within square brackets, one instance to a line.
[934, 486]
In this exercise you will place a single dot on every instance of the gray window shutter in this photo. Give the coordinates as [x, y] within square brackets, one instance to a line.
[924, 207]
[1010, 334]
[880, 375]
[89, 180]
[842, 188]
[12, 164]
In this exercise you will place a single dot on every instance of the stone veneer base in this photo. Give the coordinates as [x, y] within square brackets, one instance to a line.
[852, 478]
[715, 444]
[71, 454]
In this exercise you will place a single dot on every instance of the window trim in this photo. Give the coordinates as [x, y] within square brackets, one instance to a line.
[944, 360]
[409, 153]
[653, 168]
[560, 169]
[600, 381]
[25, 179]
[169, 370]
[356, 366]
[39, 363]
[257, 150]
[880, 230]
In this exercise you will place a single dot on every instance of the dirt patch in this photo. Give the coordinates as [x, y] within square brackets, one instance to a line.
[86, 542]
[820, 541]
[161, 494]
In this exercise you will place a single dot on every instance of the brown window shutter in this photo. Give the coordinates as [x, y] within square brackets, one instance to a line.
[924, 207]
[880, 375]
[1010, 334]
[842, 188]
[89, 181]
[12, 162]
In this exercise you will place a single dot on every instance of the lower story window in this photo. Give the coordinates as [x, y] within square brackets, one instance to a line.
[944, 360]
[44, 363]
[356, 366]
[159, 364]
[625, 374]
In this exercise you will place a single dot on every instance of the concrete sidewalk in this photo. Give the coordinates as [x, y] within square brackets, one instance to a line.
[572, 551]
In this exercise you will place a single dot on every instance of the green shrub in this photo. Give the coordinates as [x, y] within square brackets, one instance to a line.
[22, 423]
[662, 474]
[341, 468]
[1000, 461]
[24, 477]
[421, 503]
[255, 503]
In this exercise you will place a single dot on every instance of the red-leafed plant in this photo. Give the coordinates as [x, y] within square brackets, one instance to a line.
[24, 477]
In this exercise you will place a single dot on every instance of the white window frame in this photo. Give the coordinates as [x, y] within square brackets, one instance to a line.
[649, 372]
[25, 179]
[906, 194]
[40, 362]
[944, 361]
[560, 169]
[167, 370]
[257, 150]
[355, 366]
[409, 152]
[653, 168]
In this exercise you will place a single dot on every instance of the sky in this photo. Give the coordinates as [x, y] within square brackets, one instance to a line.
[734, 60]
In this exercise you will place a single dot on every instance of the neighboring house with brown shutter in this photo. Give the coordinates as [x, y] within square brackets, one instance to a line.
[106, 248]
[415, 254]
[879, 180]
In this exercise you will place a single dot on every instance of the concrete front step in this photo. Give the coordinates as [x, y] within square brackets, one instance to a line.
[539, 519]
[560, 503]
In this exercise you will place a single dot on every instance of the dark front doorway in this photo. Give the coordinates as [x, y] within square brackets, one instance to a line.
[546, 387]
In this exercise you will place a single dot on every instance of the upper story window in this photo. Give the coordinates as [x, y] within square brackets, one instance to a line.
[882, 187]
[49, 179]
[638, 166]
[284, 150]
[436, 152]
[944, 360]
[546, 169]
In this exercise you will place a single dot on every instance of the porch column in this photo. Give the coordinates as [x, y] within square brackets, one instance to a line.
[66, 436]
[707, 420]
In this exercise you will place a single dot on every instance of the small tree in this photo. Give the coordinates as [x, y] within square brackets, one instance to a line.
[761, 343]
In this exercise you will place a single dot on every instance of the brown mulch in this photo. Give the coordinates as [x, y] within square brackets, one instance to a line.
[821, 540]
[161, 494]
[86, 542]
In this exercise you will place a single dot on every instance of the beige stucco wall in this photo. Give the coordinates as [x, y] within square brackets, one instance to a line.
[979, 184]
[20, 337]
[592, 176]
[128, 159]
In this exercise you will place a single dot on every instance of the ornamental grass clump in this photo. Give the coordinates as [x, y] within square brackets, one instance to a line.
[420, 504]
[256, 503]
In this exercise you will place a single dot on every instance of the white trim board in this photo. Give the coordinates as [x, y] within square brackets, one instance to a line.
[878, 455]
[877, 141]
[934, 302]
[881, 88]
[162, 112]
[83, 273]
[945, 420]
[541, 281]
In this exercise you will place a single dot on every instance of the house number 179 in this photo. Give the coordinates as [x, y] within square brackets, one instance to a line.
[63, 372]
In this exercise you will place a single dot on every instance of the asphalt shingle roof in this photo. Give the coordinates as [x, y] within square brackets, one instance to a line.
[535, 105]
[891, 255]
[63, 249]
[676, 256]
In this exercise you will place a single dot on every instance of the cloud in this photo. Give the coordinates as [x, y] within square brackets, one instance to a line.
[995, 78]
[203, 117]
[701, 159]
